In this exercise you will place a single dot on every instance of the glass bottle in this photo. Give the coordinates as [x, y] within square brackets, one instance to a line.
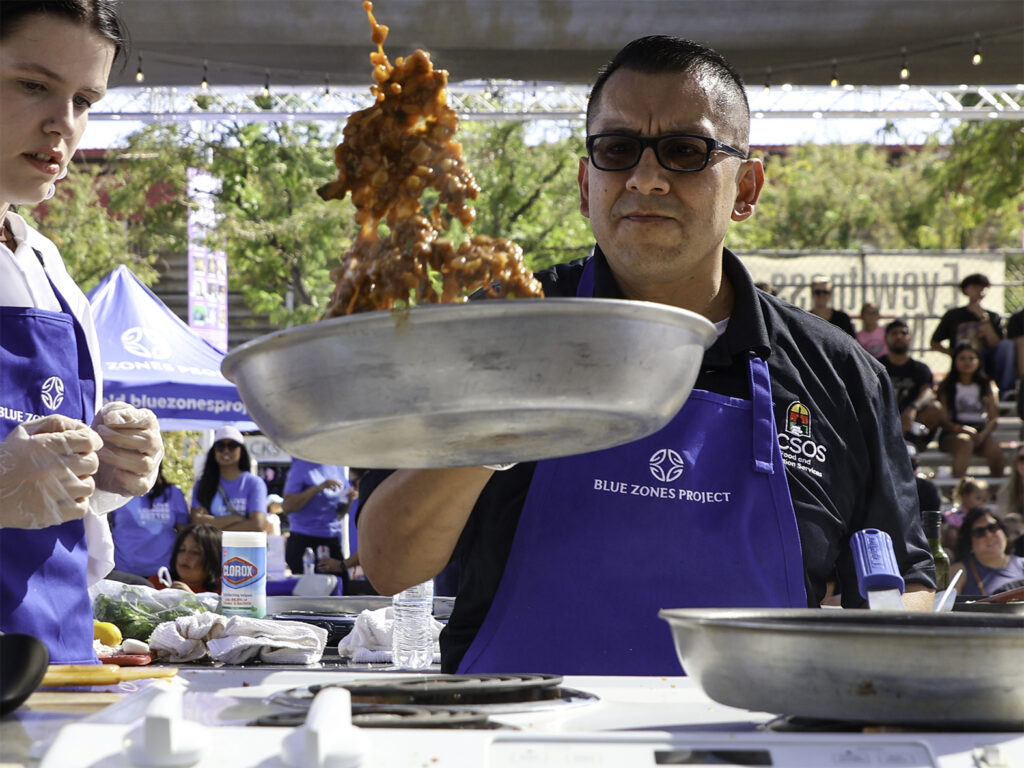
[932, 524]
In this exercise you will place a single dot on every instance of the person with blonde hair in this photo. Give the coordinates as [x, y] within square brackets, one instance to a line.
[821, 305]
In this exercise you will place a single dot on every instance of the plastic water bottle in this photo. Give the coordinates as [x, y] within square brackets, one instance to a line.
[412, 642]
[308, 561]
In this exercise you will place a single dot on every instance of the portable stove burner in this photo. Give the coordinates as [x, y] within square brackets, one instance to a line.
[376, 716]
[495, 693]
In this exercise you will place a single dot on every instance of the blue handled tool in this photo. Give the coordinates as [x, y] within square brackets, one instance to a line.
[878, 577]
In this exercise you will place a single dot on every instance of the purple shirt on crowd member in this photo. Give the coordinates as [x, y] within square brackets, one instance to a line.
[247, 493]
[144, 531]
[320, 515]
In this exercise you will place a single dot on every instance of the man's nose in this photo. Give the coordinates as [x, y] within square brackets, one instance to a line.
[648, 177]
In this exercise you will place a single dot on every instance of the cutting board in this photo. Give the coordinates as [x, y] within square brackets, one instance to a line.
[100, 674]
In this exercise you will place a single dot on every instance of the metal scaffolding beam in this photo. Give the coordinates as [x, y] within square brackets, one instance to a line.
[501, 101]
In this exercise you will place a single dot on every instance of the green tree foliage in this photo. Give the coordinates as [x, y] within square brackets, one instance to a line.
[281, 239]
[528, 193]
[974, 196]
[91, 242]
[967, 193]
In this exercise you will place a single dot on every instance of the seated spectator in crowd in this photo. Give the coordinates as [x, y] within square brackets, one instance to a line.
[1014, 534]
[967, 494]
[821, 297]
[982, 329]
[144, 529]
[1010, 499]
[227, 495]
[970, 413]
[195, 560]
[871, 335]
[981, 555]
[920, 411]
[1015, 333]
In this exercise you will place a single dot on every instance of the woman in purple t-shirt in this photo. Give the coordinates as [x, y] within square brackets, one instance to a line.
[145, 528]
[228, 496]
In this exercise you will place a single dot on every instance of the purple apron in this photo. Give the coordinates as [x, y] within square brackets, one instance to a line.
[696, 515]
[45, 368]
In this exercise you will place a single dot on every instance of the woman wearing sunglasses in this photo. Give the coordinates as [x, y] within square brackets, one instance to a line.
[228, 496]
[981, 552]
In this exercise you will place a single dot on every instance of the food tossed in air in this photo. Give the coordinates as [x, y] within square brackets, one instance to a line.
[391, 154]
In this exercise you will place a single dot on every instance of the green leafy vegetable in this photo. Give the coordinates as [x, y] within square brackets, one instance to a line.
[137, 611]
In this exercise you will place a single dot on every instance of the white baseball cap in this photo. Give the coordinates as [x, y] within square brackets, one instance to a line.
[228, 433]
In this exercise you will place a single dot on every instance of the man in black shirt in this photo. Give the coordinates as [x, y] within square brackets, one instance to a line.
[920, 412]
[787, 445]
[983, 329]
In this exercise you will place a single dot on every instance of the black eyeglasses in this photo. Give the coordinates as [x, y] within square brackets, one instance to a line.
[680, 152]
[226, 446]
[981, 531]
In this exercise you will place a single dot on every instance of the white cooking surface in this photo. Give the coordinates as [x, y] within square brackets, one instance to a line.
[636, 722]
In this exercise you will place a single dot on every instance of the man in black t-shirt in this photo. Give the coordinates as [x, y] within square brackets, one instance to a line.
[914, 385]
[983, 329]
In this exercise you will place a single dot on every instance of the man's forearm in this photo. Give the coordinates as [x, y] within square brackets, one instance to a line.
[410, 524]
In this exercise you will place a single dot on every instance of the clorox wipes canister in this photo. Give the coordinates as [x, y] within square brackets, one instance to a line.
[243, 579]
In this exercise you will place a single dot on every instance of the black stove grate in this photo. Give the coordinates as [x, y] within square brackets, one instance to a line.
[376, 716]
[460, 690]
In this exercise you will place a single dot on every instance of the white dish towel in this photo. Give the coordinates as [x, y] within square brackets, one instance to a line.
[237, 639]
[370, 638]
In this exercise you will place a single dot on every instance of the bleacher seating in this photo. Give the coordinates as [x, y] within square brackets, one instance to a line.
[935, 463]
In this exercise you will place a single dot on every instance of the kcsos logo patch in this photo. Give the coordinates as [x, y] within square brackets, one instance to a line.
[799, 450]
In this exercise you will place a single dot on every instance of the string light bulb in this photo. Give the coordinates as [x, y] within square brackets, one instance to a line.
[834, 82]
[139, 76]
[768, 80]
[976, 58]
[327, 85]
[205, 83]
[266, 85]
[905, 67]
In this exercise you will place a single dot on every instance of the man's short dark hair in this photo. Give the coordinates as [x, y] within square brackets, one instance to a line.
[659, 54]
[896, 324]
[976, 279]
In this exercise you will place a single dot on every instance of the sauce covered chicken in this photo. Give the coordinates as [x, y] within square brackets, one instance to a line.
[390, 155]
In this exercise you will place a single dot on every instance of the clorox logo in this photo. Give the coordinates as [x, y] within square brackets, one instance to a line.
[666, 465]
[798, 419]
[52, 392]
[141, 342]
[238, 571]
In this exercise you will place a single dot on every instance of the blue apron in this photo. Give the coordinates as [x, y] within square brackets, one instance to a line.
[696, 515]
[45, 368]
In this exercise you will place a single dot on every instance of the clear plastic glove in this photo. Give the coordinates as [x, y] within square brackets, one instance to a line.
[132, 449]
[46, 469]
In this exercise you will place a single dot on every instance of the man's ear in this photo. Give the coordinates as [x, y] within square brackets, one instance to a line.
[748, 189]
[582, 180]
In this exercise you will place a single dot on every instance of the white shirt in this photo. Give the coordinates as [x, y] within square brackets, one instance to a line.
[23, 283]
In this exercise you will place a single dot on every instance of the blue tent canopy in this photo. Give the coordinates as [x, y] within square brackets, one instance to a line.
[151, 359]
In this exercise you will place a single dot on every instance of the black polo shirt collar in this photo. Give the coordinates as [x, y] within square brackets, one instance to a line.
[746, 331]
